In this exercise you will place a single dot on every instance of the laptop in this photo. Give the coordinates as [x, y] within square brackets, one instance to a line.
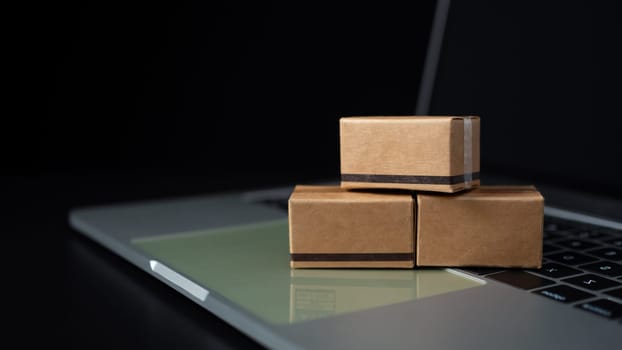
[228, 252]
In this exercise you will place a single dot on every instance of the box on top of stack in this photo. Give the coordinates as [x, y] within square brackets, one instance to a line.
[409, 196]
[425, 153]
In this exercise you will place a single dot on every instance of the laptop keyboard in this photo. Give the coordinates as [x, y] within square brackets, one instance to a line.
[581, 267]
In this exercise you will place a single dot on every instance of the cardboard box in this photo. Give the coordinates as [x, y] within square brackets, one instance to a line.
[495, 226]
[332, 227]
[438, 154]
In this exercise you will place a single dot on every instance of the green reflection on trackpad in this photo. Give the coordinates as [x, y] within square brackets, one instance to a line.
[249, 265]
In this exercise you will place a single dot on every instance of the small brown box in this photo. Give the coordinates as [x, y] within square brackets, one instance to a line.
[425, 153]
[495, 226]
[332, 227]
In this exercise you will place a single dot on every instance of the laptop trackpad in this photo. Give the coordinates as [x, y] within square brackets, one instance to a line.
[249, 265]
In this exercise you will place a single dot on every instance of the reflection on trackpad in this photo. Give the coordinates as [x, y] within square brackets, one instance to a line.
[320, 293]
[249, 265]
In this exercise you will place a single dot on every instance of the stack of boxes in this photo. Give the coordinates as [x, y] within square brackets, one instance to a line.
[410, 196]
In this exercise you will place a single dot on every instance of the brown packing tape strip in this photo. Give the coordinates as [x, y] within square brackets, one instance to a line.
[408, 179]
[501, 191]
[352, 256]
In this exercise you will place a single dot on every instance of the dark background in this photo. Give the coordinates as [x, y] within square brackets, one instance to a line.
[208, 88]
[545, 78]
[115, 101]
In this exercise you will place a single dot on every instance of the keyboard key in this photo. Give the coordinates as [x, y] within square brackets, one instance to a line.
[604, 267]
[576, 244]
[603, 307]
[483, 270]
[611, 231]
[616, 293]
[556, 271]
[590, 234]
[591, 282]
[570, 258]
[614, 241]
[521, 279]
[564, 294]
[551, 235]
[549, 248]
[551, 224]
[614, 254]
[556, 234]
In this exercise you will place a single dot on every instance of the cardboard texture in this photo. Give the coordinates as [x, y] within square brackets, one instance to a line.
[410, 152]
[494, 226]
[332, 227]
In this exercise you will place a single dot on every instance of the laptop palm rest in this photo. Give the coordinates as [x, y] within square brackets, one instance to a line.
[249, 265]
